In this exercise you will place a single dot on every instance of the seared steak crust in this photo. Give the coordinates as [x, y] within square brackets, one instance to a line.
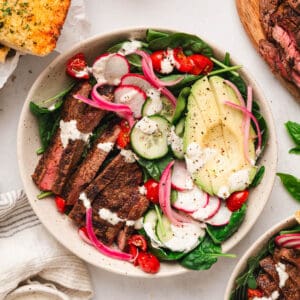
[88, 169]
[280, 20]
[57, 163]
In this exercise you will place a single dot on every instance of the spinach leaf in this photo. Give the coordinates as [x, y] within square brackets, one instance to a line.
[187, 81]
[295, 150]
[295, 229]
[155, 167]
[220, 234]
[293, 129]
[165, 254]
[153, 34]
[48, 119]
[203, 256]
[179, 39]
[258, 177]
[292, 184]
[263, 127]
[247, 279]
[181, 104]
[47, 122]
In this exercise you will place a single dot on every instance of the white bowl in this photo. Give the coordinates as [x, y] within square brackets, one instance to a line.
[254, 249]
[53, 80]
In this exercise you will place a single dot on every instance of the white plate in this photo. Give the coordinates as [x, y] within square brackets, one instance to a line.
[53, 80]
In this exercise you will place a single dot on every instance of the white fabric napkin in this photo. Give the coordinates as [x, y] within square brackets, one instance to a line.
[28, 251]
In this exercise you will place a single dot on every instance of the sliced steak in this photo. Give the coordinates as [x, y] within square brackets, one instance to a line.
[266, 9]
[128, 205]
[58, 162]
[116, 166]
[266, 284]
[88, 169]
[290, 256]
[288, 44]
[272, 56]
[294, 4]
[268, 265]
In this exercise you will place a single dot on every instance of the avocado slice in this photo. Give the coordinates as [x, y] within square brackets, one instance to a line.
[214, 140]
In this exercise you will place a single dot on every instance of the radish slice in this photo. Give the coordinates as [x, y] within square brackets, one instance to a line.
[281, 240]
[245, 110]
[221, 218]
[292, 243]
[83, 236]
[136, 80]
[209, 210]
[190, 201]
[99, 245]
[132, 96]
[181, 178]
[110, 68]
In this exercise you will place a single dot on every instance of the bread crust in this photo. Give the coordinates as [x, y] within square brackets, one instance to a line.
[32, 26]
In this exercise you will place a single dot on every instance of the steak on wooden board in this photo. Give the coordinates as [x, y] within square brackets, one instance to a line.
[280, 20]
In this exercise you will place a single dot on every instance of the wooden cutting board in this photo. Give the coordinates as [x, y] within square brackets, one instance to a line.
[248, 11]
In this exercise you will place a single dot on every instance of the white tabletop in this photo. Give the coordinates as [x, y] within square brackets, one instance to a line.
[219, 23]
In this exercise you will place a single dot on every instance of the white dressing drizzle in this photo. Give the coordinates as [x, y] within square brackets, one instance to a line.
[106, 147]
[69, 131]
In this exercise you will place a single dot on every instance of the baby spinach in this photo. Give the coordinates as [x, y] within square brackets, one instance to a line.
[155, 167]
[292, 184]
[187, 42]
[220, 234]
[258, 177]
[204, 255]
[153, 34]
[293, 129]
[165, 254]
[48, 119]
[248, 278]
[295, 229]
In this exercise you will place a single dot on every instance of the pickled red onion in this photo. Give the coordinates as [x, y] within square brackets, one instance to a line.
[245, 110]
[100, 246]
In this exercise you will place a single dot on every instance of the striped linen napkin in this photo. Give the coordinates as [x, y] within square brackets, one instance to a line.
[27, 251]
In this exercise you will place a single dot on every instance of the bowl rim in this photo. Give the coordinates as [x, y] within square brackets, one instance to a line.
[262, 241]
[245, 75]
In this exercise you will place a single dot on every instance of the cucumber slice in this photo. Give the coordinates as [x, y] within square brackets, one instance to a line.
[164, 234]
[179, 129]
[150, 217]
[181, 104]
[167, 110]
[154, 145]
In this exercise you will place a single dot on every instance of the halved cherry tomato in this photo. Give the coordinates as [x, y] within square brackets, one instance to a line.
[124, 135]
[236, 200]
[60, 204]
[148, 262]
[202, 64]
[183, 63]
[152, 187]
[138, 241]
[255, 293]
[156, 58]
[134, 251]
[77, 67]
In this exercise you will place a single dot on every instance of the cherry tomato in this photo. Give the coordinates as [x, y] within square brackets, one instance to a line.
[156, 58]
[60, 204]
[133, 250]
[138, 241]
[236, 200]
[148, 262]
[254, 293]
[77, 67]
[124, 135]
[202, 64]
[152, 187]
[183, 63]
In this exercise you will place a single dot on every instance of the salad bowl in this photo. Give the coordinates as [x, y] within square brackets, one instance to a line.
[255, 249]
[53, 80]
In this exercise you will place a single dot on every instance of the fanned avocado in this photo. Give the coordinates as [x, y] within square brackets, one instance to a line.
[214, 139]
